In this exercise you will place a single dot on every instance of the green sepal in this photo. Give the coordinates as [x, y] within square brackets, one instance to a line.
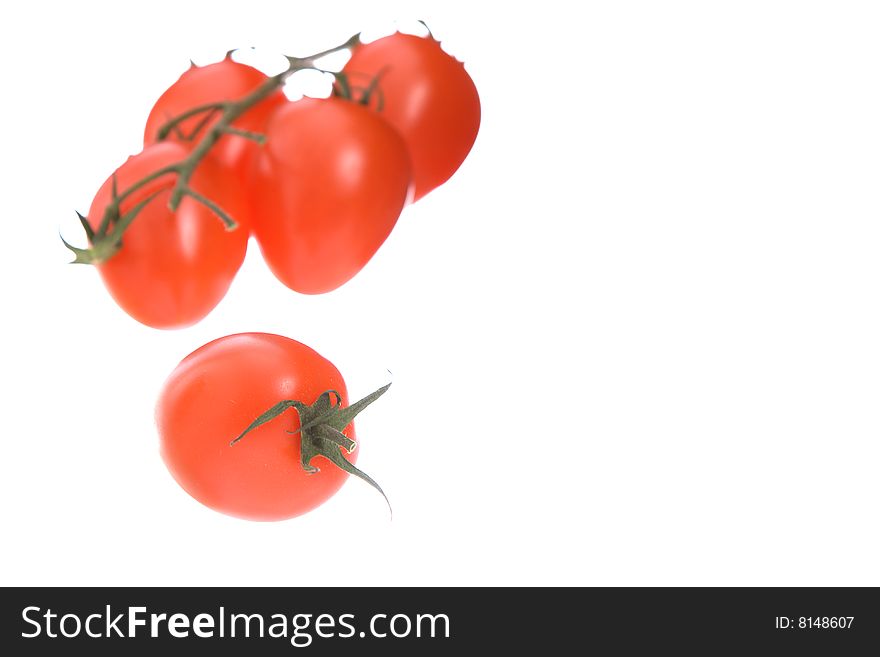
[103, 245]
[87, 227]
[342, 87]
[320, 430]
[80, 256]
[268, 415]
[109, 243]
[374, 88]
[430, 33]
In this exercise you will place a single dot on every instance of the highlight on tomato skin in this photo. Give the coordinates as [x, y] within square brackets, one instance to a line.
[331, 183]
[427, 96]
[173, 267]
[215, 393]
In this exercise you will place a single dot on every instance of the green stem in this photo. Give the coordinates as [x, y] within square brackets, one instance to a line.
[177, 120]
[309, 62]
[247, 134]
[228, 221]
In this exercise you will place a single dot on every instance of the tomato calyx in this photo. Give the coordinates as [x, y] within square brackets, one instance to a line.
[360, 94]
[320, 429]
[107, 239]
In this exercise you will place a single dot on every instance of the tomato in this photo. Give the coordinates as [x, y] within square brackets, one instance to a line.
[173, 267]
[427, 96]
[216, 392]
[331, 182]
[225, 80]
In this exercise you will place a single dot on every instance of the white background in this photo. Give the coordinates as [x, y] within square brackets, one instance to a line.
[633, 341]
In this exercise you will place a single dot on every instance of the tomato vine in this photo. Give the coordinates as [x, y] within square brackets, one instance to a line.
[106, 240]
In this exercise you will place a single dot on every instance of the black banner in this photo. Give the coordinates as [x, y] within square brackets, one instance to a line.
[430, 621]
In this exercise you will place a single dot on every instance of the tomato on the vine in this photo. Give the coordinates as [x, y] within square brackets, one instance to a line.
[427, 96]
[239, 384]
[221, 81]
[172, 267]
[331, 182]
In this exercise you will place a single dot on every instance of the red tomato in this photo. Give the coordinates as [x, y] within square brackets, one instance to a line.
[173, 267]
[225, 80]
[429, 99]
[331, 183]
[214, 394]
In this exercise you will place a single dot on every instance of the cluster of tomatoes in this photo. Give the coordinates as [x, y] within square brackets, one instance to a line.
[320, 183]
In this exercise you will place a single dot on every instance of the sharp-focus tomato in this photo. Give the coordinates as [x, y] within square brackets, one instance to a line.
[427, 96]
[225, 80]
[214, 394]
[331, 183]
[173, 267]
